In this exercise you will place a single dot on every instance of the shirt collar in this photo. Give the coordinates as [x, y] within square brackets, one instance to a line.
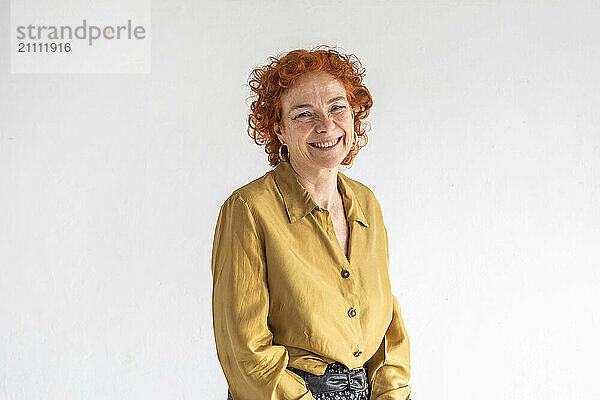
[298, 202]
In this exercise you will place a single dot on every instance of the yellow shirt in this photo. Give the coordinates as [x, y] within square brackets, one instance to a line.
[285, 294]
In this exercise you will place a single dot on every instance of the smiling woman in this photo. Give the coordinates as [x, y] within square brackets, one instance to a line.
[343, 74]
[316, 123]
[302, 301]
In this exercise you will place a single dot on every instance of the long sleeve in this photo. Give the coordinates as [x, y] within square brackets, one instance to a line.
[255, 368]
[389, 368]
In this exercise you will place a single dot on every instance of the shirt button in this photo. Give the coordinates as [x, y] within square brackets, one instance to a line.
[357, 353]
[352, 312]
[345, 273]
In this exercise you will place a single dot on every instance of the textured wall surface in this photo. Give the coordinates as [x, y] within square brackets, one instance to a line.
[484, 154]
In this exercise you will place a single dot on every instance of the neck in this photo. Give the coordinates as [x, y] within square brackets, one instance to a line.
[320, 183]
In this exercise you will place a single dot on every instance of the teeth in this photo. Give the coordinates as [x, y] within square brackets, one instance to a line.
[326, 144]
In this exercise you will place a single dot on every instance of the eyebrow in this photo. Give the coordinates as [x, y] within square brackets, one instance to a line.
[333, 100]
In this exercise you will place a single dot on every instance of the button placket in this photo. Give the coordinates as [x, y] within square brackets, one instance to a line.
[324, 220]
[329, 224]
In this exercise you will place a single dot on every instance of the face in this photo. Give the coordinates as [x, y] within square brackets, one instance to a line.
[317, 123]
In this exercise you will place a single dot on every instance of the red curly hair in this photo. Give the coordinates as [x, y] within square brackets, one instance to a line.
[270, 81]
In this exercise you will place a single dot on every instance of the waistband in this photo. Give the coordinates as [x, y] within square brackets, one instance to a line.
[345, 379]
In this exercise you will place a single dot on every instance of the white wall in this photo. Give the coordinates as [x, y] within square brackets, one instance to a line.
[484, 153]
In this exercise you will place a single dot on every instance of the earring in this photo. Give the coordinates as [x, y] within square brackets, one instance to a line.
[287, 151]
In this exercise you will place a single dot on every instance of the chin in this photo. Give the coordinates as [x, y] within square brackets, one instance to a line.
[331, 163]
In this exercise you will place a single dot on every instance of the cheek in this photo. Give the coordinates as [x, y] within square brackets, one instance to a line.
[299, 131]
[345, 117]
[300, 128]
[346, 120]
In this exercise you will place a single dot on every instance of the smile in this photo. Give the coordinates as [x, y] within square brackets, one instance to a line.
[326, 145]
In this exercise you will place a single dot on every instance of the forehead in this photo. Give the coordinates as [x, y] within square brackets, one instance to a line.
[312, 88]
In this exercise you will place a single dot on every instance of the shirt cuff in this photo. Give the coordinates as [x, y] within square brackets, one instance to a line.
[402, 393]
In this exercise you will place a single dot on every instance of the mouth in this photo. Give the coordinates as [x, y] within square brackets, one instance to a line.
[327, 145]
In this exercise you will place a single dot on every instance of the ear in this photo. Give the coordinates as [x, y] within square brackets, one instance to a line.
[277, 129]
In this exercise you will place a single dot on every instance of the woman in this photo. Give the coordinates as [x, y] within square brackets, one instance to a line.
[302, 303]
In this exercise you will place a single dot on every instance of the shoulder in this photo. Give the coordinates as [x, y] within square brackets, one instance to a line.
[260, 191]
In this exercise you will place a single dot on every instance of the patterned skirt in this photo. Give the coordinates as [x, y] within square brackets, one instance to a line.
[336, 368]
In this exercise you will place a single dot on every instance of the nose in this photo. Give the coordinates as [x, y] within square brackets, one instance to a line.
[325, 124]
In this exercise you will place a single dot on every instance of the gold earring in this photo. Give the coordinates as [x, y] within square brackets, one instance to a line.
[287, 151]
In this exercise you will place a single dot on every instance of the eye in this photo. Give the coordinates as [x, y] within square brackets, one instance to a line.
[337, 108]
[304, 114]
